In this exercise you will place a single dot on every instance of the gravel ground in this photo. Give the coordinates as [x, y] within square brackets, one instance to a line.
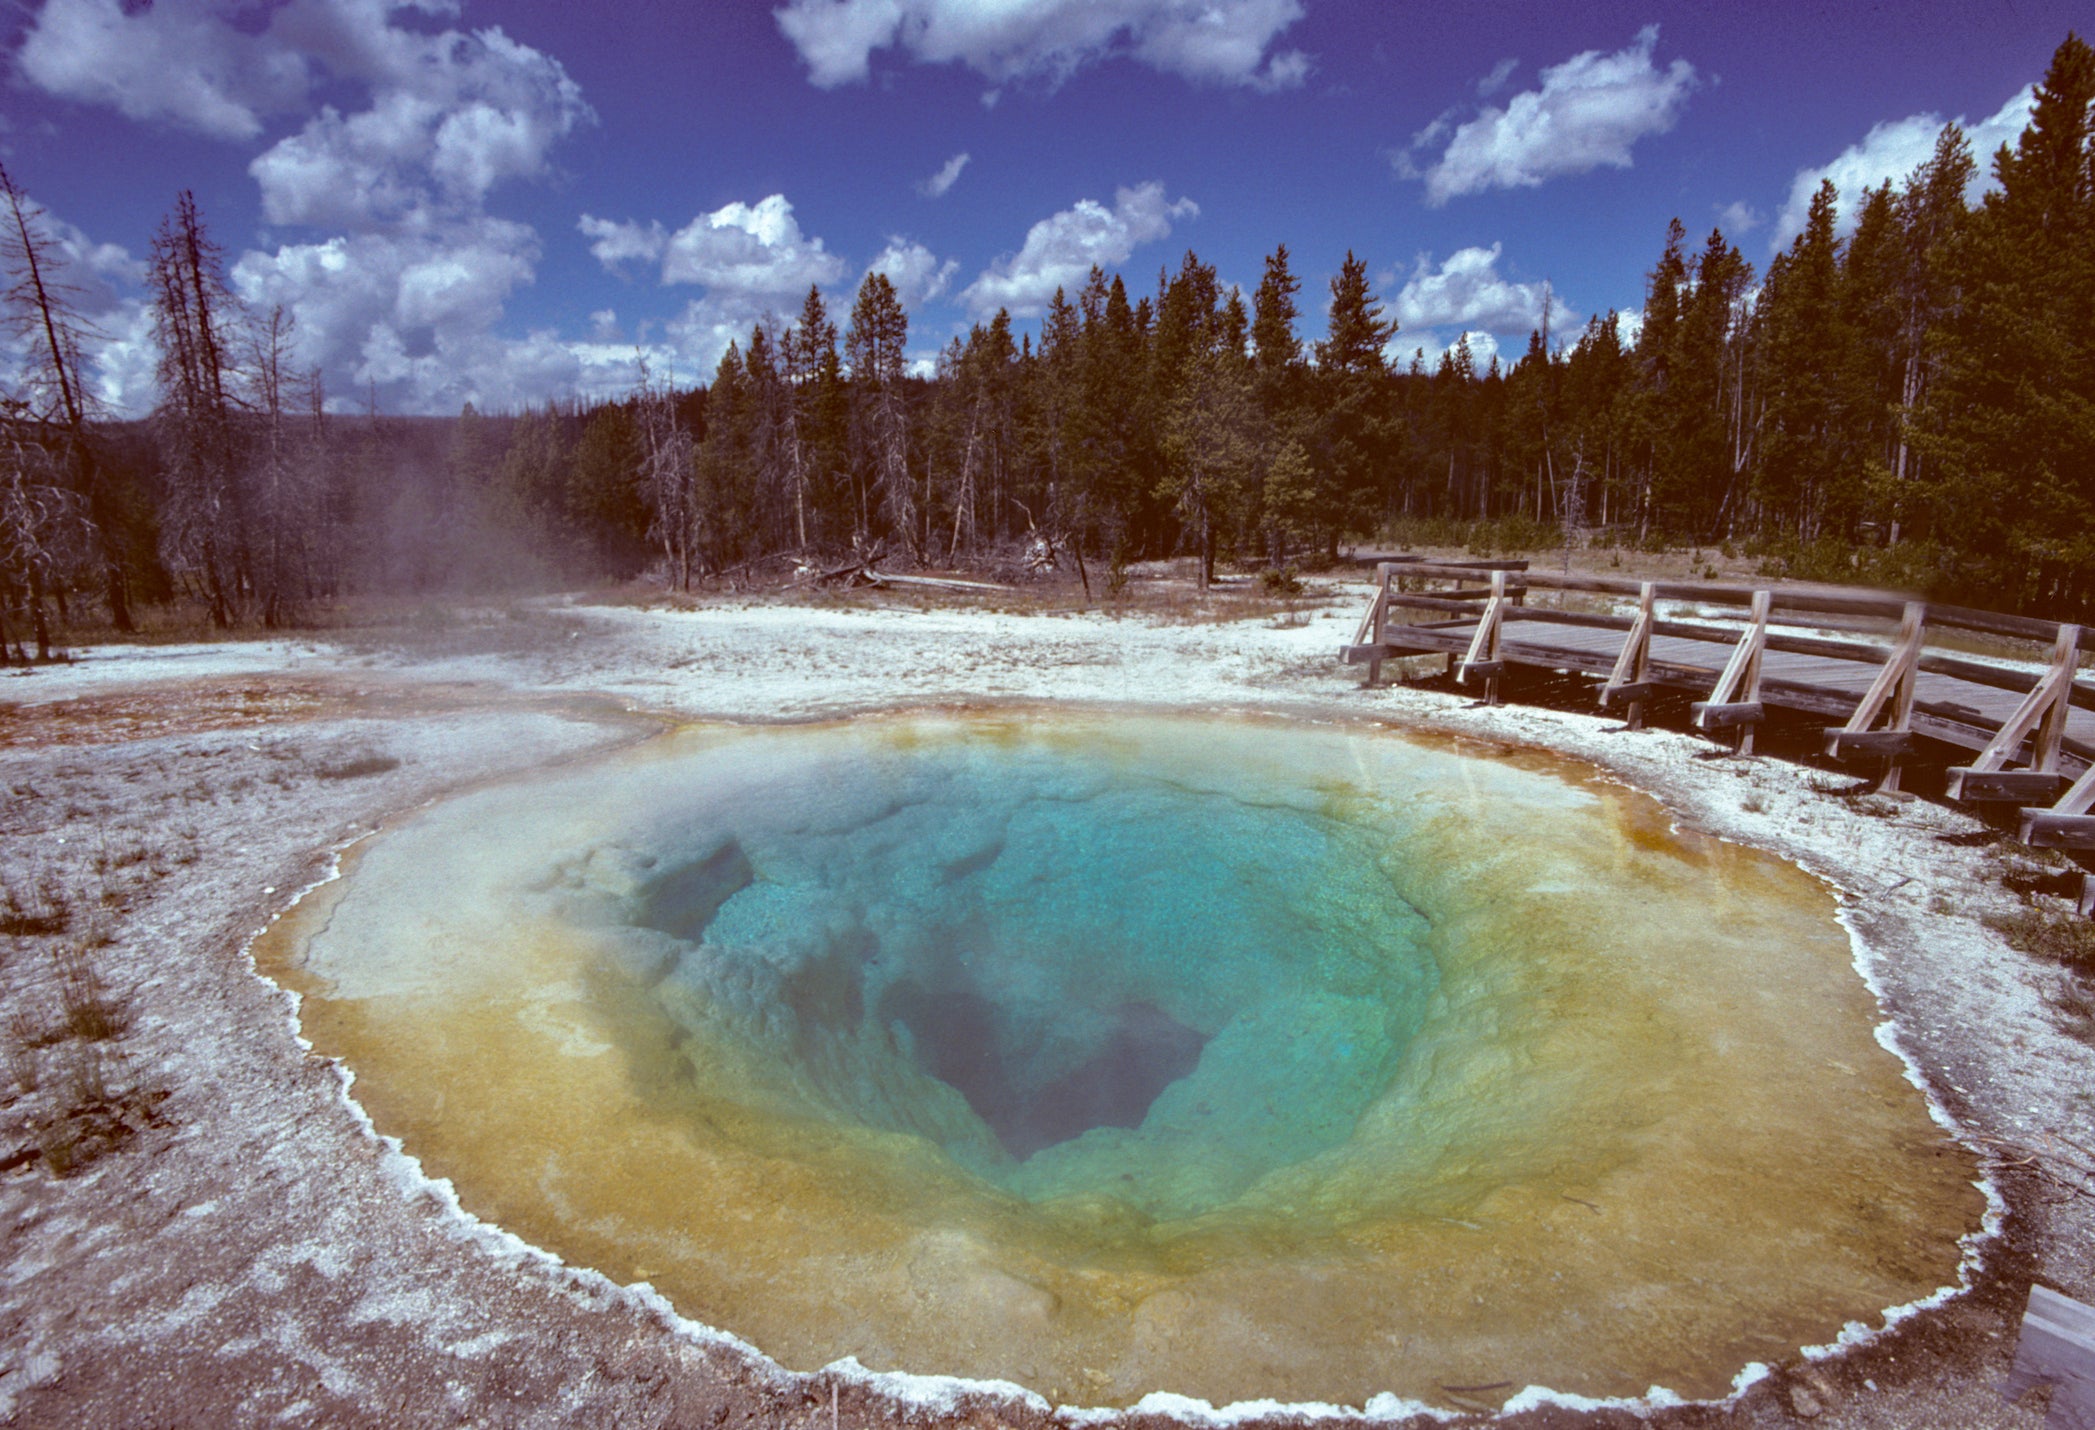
[199, 1226]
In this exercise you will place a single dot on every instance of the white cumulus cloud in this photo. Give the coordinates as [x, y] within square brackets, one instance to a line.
[451, 116]
[1894, 149]
[749, 248]
[451, 113]
[1227, 42]
[405, 285]
[392, 309]
[1495, 81]
[1589, 112]
[915, 271]
[1739, 217]
[181, 63]
[1467, 291]
[1060, 250]
[935, 187]
[754, 263]
[615, 244]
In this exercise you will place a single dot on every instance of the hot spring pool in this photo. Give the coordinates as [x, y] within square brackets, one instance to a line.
[1111, 1054]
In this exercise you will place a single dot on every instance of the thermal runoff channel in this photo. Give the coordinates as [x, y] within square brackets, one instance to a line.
[1114, 1054]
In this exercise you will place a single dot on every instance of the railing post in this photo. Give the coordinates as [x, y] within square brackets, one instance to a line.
[1483, 656]
[2048, 702]
[1895, 683]
[1370, 632]
[1735, 700]
[2051, 733]
[1376, 614]
[1633, 665]
[1758, 638]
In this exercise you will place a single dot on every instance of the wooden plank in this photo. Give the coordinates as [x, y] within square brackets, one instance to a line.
[1460, 570]
[2041, 829]
[1727, 715]
[1483, 669]
[1996, 623]
[1870, 744]
[1465, 604]
[2004, 786]
[1634, 694]
[2056, 1348]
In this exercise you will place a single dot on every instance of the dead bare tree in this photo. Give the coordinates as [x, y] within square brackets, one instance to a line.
[44, 528]
[206, 532]
[283, 467]
[42, 311]
[668, 476]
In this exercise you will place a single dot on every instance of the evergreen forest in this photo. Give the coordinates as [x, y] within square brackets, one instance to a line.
[1907, 401]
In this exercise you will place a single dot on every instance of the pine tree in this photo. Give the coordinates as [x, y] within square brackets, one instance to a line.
[2009, 421]
[1273, 316]
[1806, 358]
[1931, 213]
[1355, 434]
[874, 351]
[804, 350]
[1202, 385]
[1656, 352]
[1353, 345]
[724, 496]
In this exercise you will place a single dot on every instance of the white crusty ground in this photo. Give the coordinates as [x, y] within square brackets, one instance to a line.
[263, 1255]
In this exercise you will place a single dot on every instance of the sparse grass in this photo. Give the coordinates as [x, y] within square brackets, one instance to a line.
[35, 905]
[67, 1066]
[91, 1012]
[23, 1039]
[2065, 939]
[2025, 870]
[2077, 1007]
[356, 767]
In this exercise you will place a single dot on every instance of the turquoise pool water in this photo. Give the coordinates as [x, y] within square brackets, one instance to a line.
[1074, 972]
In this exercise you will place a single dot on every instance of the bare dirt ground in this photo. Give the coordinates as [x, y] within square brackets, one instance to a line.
[199, 1226]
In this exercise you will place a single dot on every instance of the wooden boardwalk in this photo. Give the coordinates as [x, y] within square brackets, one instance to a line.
[1861, 660]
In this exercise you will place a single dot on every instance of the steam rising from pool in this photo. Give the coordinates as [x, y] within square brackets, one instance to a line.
[1115, 1054]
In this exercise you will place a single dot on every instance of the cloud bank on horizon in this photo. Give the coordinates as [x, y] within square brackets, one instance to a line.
[415, 201]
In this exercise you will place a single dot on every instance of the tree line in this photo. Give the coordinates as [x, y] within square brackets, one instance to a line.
[1913, 402]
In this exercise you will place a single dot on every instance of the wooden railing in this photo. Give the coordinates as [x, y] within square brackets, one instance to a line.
[1479, 609]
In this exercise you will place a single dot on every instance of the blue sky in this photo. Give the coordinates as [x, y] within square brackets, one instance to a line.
[504, 202]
